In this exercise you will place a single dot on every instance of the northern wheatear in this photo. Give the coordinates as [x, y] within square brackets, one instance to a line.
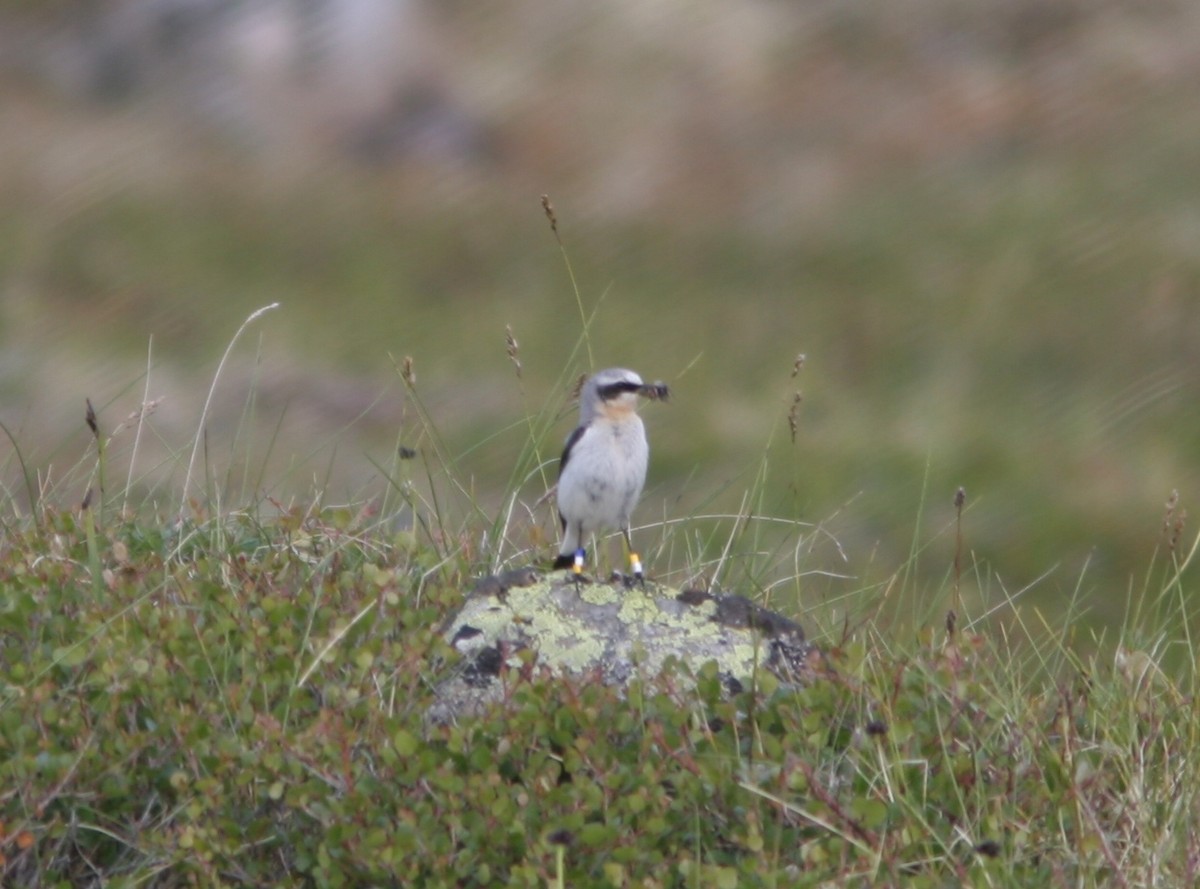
[603, 466]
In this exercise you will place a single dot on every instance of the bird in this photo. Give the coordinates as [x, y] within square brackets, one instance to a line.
[603, 466]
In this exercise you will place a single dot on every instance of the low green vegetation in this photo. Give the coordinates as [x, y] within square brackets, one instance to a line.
[235, 696]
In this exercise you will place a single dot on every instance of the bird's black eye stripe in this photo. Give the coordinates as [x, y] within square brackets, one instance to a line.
[612, 390]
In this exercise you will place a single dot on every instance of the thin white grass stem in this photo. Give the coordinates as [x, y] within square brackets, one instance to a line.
[187, 481]
[722, 516]
[334, 640]
[810, 817]
[1010, 601]
[733, 532]
[502, 532]
[137, 434]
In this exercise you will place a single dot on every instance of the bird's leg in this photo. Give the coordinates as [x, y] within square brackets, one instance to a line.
[577, 567]
[635, 562]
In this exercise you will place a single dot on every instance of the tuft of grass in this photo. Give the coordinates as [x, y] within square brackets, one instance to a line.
[251, 712]
[234, 692]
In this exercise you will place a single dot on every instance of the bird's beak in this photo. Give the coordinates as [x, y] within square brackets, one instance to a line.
[656, 391]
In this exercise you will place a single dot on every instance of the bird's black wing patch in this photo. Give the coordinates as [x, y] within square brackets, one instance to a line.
[571, 442]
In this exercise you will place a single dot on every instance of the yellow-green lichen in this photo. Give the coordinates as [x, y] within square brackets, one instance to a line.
[579, 628]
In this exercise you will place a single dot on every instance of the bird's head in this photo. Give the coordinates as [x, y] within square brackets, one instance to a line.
[614, 392]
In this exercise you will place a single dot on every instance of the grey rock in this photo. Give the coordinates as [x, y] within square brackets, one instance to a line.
[519, 626]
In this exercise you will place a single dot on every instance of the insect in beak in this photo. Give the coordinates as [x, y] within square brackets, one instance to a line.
[656, 391]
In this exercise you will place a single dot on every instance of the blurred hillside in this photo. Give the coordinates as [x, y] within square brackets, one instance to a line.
[977, 220]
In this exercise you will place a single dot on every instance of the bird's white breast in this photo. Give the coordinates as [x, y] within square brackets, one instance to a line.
[604, 477]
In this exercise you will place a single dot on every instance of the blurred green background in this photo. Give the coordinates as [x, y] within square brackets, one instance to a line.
[979, 222]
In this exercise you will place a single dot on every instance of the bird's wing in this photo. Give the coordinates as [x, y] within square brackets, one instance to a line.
[572, 440]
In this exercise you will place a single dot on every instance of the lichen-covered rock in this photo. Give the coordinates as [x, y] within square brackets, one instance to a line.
[521, 624]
